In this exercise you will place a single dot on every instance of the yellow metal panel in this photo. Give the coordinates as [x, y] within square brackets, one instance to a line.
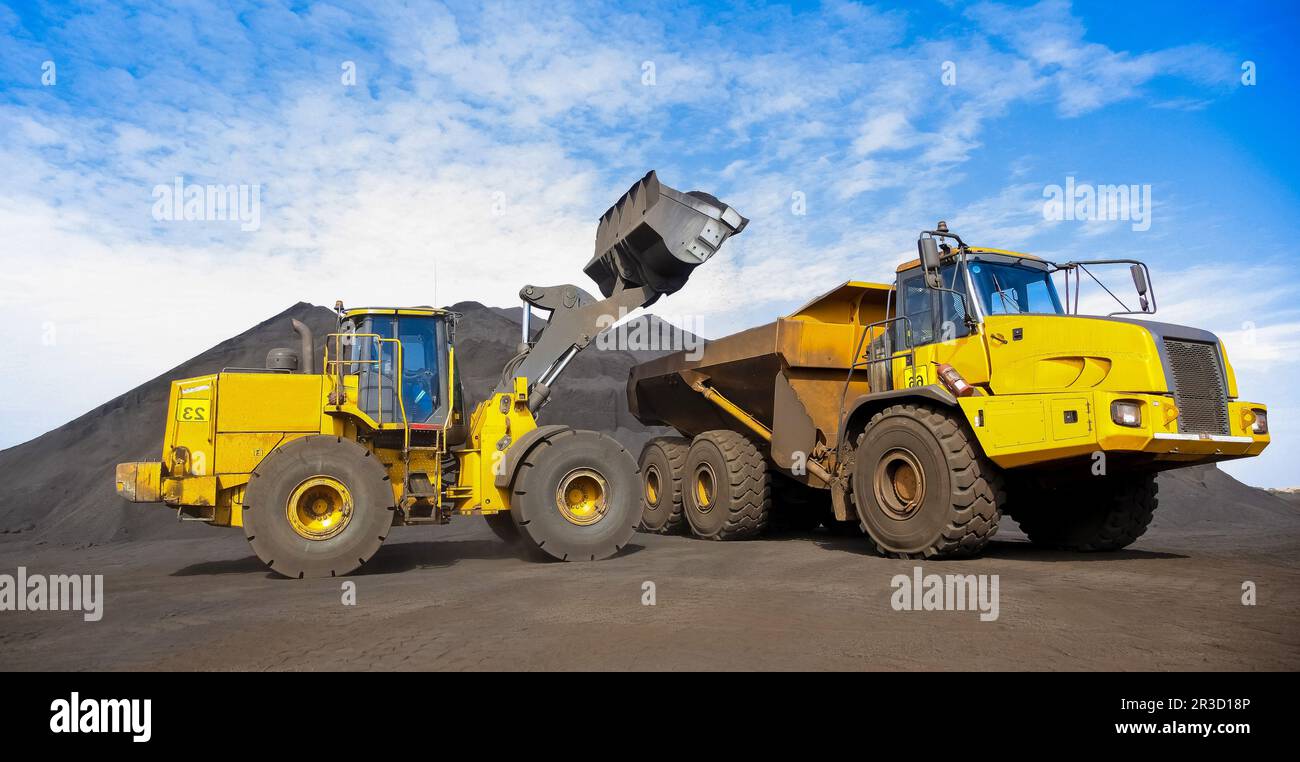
[967, 354]
[1075, 353]
[190, 432]
[240, 453]
[191, 490]
[269, 402]
[1061, 409]
[229, 511]
[140, 482]
[1015, 422]
[1009, 443]
[499, 416]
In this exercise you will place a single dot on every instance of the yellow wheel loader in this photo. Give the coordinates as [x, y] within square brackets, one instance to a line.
[923, 410]
[317, 461]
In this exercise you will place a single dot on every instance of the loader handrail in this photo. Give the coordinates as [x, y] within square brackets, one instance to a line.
[335, 368]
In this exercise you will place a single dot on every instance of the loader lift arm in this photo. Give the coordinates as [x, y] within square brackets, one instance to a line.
[647, 244]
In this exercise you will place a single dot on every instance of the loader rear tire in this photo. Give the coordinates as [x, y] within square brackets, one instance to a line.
[728, 494]
[921, 485]
[576, 496]
[319, 506]
[1099, 515]
[663, 463]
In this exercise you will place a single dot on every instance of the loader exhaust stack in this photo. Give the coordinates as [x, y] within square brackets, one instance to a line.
[306, 341]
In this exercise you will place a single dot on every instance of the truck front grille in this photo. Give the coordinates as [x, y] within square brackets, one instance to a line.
[1199, 387]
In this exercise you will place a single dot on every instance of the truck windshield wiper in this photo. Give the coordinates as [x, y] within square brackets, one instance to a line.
[1002, 295]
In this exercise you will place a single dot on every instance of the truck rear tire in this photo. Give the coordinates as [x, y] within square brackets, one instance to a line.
[727, 495]
[319, 506]
[1107, 514]
[663, 463]
[922, 487]
[575, 496]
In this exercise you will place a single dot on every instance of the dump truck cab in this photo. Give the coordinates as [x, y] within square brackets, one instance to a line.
[1041, 382]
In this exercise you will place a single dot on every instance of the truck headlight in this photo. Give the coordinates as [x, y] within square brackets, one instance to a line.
[1260, 426]
[1126, 413]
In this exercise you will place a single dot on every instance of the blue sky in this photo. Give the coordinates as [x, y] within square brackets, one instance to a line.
[483, 140]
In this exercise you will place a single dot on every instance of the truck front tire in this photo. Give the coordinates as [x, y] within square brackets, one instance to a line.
[1104, 513]
[922, 487]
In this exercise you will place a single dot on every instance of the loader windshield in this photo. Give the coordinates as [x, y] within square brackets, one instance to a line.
[1012, 289]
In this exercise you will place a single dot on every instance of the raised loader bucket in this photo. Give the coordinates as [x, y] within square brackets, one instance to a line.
[655, 236]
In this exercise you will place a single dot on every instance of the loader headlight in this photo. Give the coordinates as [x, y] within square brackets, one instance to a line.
[1126, 413]
[1260, 425]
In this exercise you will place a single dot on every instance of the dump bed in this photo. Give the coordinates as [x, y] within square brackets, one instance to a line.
[788, 375]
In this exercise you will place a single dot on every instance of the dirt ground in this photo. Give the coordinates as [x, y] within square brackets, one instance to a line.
[454, 598]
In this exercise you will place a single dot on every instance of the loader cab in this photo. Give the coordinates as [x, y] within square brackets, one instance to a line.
[403, 361]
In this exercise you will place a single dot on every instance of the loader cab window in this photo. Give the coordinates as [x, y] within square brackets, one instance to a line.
[421, 372]
[421, 379]
[933, 316]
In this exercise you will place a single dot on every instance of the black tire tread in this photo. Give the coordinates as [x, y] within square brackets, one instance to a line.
[523, 484]
[290, 453]
[977, 485]
[674, 449]
[751, 504]
[1090, 520]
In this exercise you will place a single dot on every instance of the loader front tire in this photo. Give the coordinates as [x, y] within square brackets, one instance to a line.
[663, 462]
[1102, 514]
[575, 496]
[319, 506]
[921, 485]
[728, 494]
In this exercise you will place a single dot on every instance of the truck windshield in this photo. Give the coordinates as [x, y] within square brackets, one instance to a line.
[1005, 289]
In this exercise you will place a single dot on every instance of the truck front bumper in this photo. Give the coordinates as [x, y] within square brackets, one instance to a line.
[1031, 429]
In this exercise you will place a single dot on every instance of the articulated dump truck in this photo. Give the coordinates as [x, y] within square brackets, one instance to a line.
[318, 460]
[921, 411]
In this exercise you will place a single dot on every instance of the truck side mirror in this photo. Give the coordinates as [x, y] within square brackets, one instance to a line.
[928, 250]
[1140, 281]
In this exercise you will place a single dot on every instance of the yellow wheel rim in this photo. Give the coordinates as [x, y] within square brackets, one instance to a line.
[320, 508]
[900, 484]
[652, 485]
[705, 487]
[582, 497]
